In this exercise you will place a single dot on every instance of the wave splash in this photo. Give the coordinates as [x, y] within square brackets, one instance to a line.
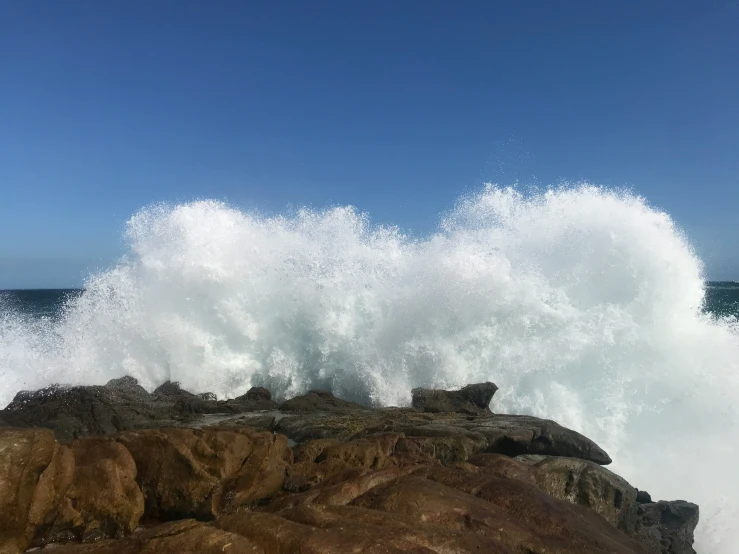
[583, 304]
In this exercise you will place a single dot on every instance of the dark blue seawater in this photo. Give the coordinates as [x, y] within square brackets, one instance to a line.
[36, 303]
[722, 299]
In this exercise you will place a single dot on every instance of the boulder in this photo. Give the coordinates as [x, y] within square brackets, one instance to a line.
[320, 401]
[183, 403]
[73, 412]
[35, 473]
[256, 393]
[128, 385]
[668, 527]
[471, 400]
[178, 537]
[120, 405]
[103, 501]
[170, 389]
[255, 399]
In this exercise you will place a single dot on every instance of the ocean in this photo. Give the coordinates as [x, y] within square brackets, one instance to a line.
[583, 304]
[722, 300]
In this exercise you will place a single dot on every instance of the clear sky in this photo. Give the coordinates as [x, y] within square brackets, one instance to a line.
[394, 107]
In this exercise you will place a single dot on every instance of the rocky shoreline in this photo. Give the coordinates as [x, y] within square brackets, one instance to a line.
[115, 469]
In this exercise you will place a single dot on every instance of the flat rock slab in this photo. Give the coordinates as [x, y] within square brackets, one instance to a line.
[504, 434]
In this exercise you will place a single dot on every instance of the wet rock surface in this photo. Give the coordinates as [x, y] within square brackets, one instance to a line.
[317, 474]
[668, 526]
[320, 401]
[120, 405]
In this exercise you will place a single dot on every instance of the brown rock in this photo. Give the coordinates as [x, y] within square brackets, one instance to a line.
[197, 473]
[176, 473]
[35, 473]
[309, 451]
[370, 452]
[178, 537]
[388, 480]
[345, 534]
[103, 500]
[666, 527]
[448, 444]
[434, 510]
[262, 474]
[304, 475]
[506, 512]
[410, 450]
[340, 489]
[503, 466]
[588, 484]
[323, 459]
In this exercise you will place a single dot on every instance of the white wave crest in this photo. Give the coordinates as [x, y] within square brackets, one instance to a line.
[583, 305]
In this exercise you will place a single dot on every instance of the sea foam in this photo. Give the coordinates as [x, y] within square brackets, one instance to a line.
[583, 304]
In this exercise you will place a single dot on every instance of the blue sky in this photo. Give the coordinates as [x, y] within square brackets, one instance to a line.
[394, 107]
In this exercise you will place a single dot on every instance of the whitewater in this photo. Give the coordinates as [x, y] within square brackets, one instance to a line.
[583, 304]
